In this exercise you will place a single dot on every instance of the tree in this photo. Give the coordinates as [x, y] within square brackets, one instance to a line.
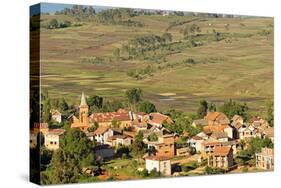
[231, 108]
[203, 109]
[167, 37]
[153, 137]
[138, 148]
[256, 144]
[270, 113]
[134, 95]
[212, 107]
[53, 24]
[147, 107]
[95, 101]
[210, 170]
[63, 106]
[75, 153]
[116, 53]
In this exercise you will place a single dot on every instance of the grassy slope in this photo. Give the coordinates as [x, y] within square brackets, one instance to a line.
[242, 69]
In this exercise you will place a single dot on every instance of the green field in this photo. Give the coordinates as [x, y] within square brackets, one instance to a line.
[241, 69]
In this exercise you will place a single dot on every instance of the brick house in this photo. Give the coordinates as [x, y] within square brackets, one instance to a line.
[222, 157]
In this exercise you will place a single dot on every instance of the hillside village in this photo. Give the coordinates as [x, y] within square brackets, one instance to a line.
[217, 148]
[167, 93]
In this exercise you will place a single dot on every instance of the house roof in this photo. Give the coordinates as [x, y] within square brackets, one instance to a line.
[219, 135]
[197, 138]
[79, 125]
[159, 118]
[56, 132]
[218, 117]
[119, 136]
[209, 129]
[269, 132]
[110, 116]
[100, 130]
[157, 158]
[221, 150]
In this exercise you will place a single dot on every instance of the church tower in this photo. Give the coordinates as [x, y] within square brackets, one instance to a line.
[83, 110]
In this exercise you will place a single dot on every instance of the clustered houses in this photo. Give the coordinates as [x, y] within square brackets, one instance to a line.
[217, 143]
[221, 137]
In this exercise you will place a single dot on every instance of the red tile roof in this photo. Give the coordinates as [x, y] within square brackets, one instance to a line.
[221, 151]
[101, 130]
[56, 132]
[157, 158]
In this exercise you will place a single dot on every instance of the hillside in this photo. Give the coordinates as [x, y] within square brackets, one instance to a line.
[227, 58]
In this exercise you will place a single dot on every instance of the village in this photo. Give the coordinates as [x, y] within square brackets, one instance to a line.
[217, 148]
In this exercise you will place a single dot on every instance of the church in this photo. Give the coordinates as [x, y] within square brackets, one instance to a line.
[82, 122]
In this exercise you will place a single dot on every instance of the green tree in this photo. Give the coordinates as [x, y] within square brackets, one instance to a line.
[53, 24]
[203, 109]
[95, 101]
[212, 107]
[63, 106]
[270, 113]
[138, 147]
[75, 153]
[153, 137]
[147, 107]
[210, 170]
[231, 108]
[167, 37]
[134, 96]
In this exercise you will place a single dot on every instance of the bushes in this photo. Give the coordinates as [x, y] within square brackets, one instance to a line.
[141, 73]
[93, 60]
[209, 170]
[55, 24]
[190, 166]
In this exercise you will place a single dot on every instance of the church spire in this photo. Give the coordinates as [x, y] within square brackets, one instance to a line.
[83, 100]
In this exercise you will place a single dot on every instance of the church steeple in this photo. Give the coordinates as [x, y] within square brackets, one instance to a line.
[83, 100]
[83, 110]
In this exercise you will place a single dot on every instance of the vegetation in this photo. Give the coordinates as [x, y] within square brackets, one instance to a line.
[134, 96]
[231, 108]
[67, 162]
[147, 107]
[209, 170]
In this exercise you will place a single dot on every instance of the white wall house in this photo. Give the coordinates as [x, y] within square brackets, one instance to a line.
[160, 164]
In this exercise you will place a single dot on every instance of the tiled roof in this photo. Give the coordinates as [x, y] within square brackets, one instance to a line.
[219, 135]
[110, 116]
[221, 150]
[101, 130]
[159, 118]
[56, 132]
[157, 158]
[197, 138]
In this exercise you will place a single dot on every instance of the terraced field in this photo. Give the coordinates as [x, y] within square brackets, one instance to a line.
[238, 67]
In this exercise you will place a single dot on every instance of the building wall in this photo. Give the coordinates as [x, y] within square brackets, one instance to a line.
[164, 167]
[52, 142]
[264, 162]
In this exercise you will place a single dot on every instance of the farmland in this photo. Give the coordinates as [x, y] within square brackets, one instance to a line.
[240, 66]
